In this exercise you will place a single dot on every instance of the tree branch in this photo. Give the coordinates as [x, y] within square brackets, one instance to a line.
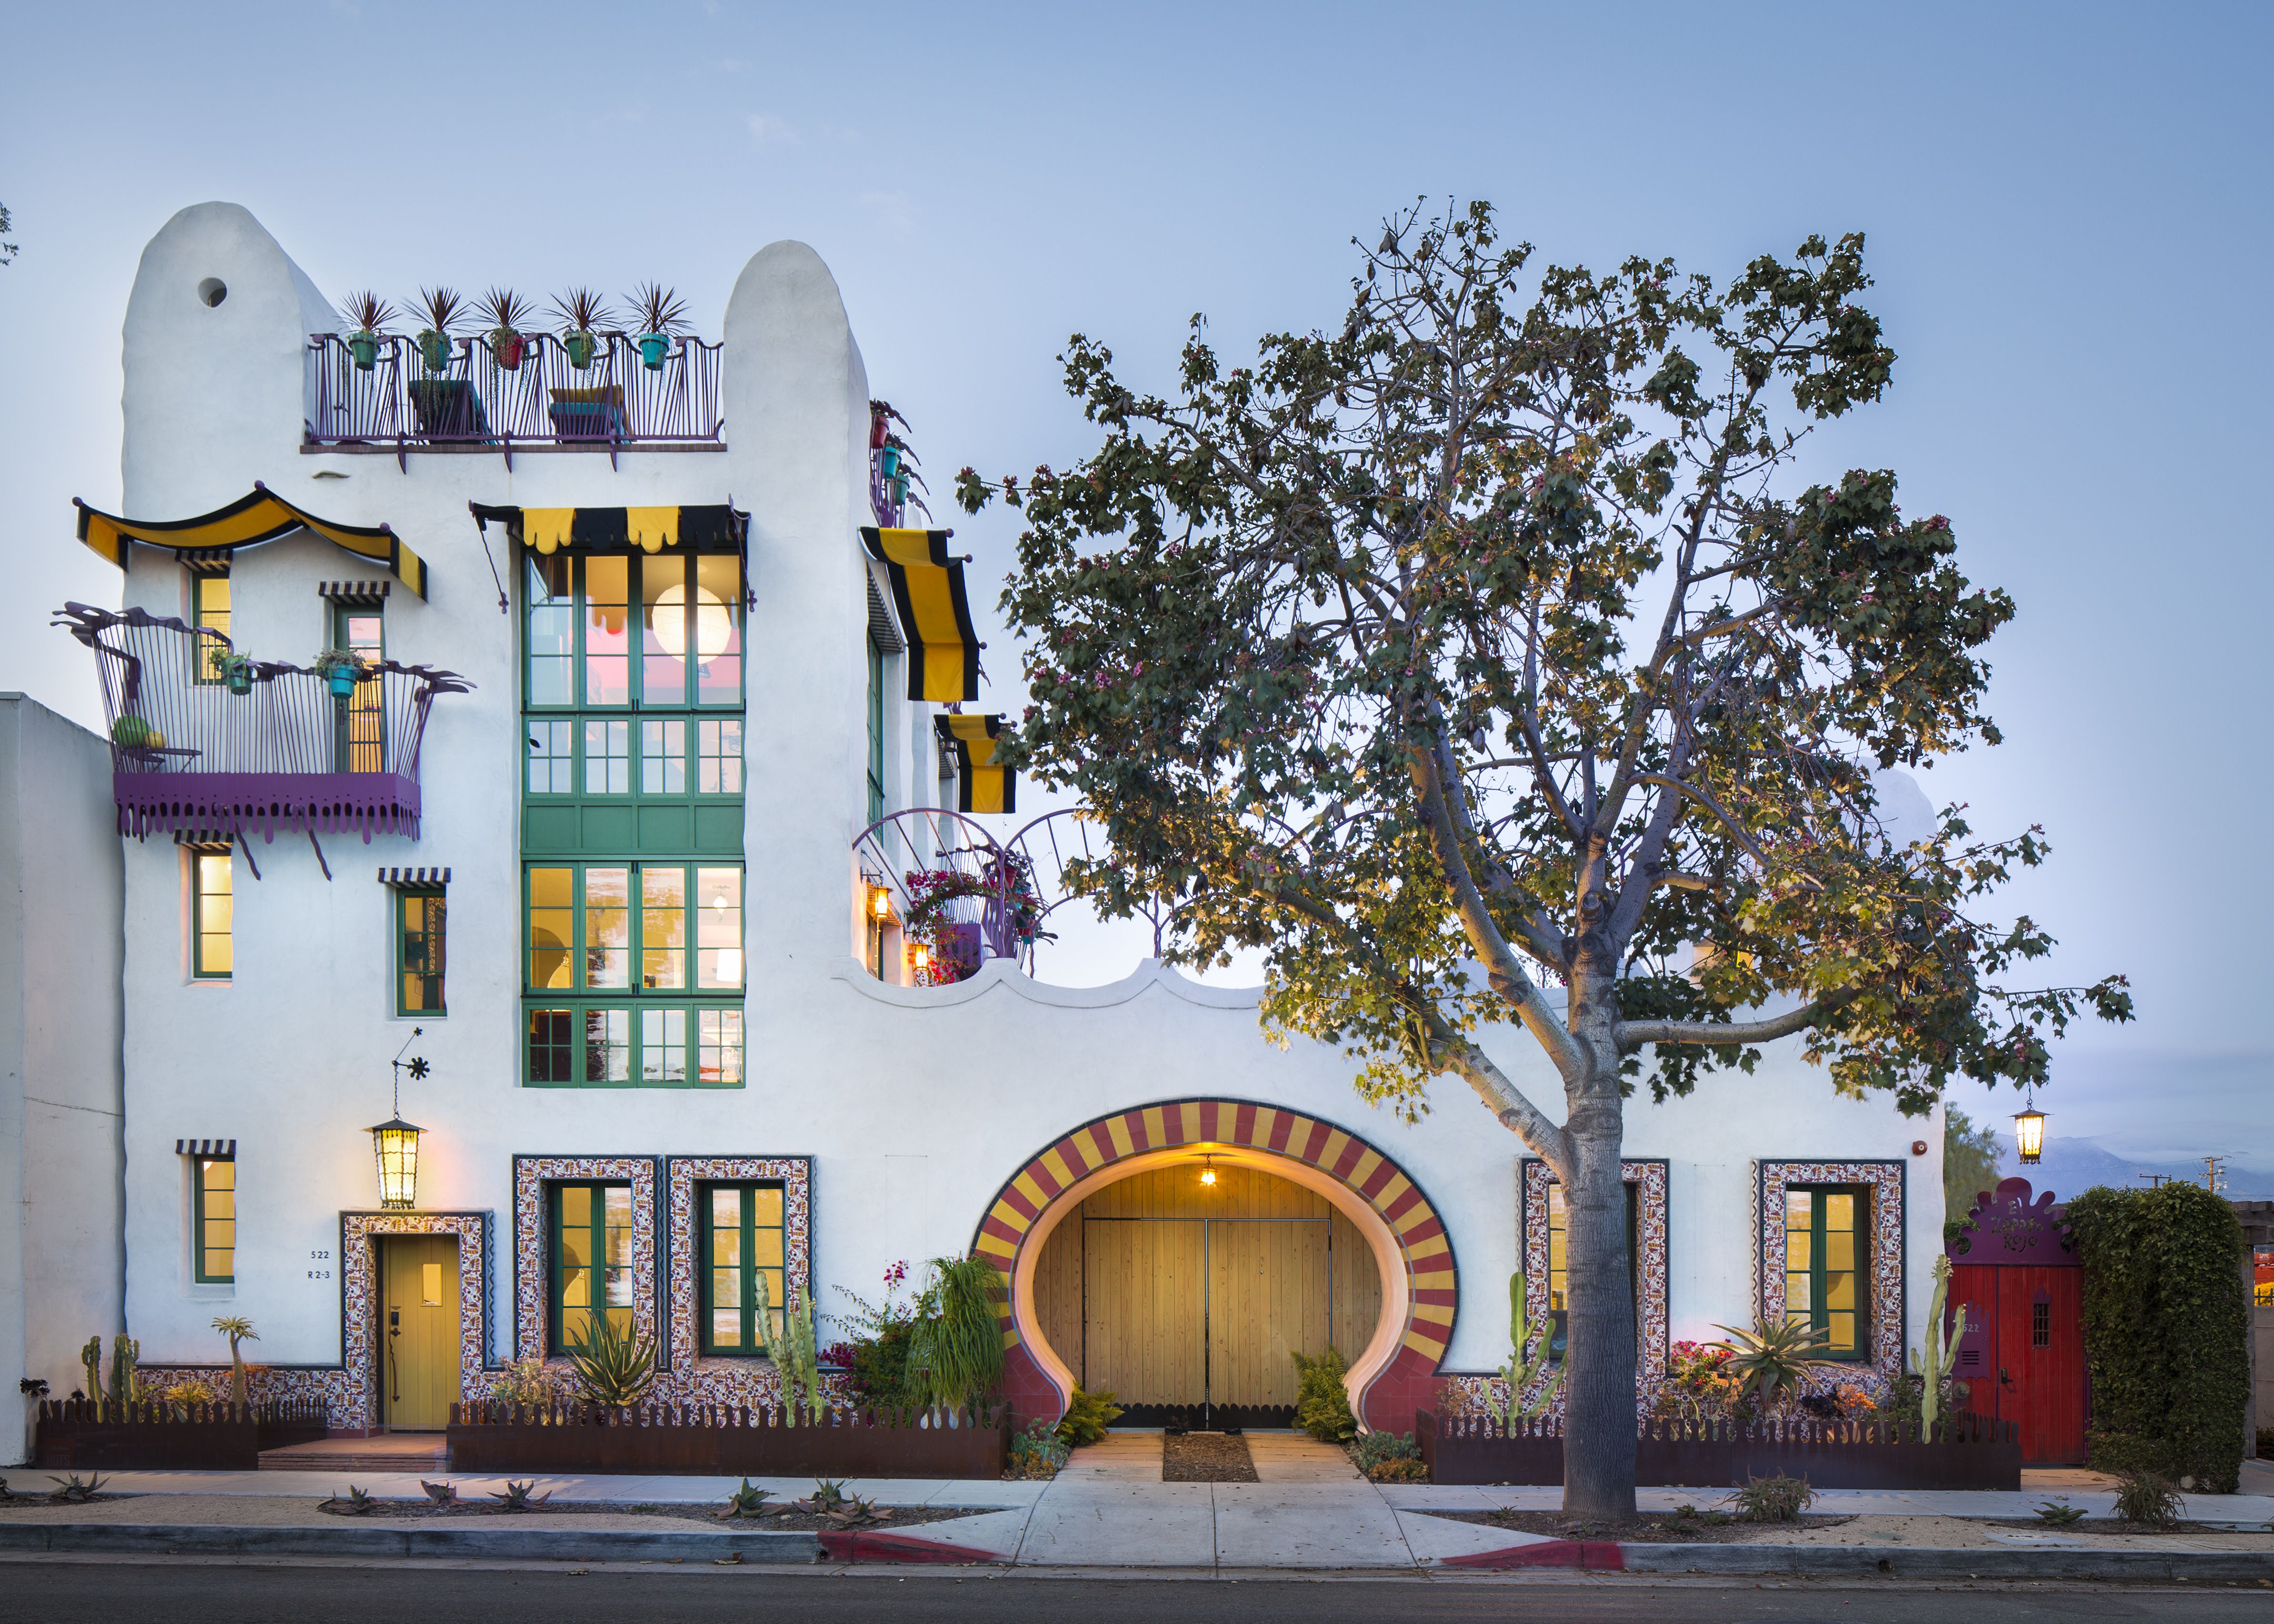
[1632, 1034]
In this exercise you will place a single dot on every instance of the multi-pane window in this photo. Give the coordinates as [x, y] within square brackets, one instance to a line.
[591, 1259]
[1559, 1303]
[624, 631]
[719, 757]
[1823, 1266]
[362, 630]
[209, 606]
[213, 915]
[420, 951]
[213, 1219]
[590, 1045]
[741, 1244]
[552, 758]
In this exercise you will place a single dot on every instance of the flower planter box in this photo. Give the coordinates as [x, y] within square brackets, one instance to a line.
[1969, 1452]
[721, 1440]
[74, 1435]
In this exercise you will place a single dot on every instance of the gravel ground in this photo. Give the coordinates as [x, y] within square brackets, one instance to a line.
[1926, 1533]
[282, 1511]
[1206, 1457]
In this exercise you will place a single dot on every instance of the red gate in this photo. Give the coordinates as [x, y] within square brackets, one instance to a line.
[2014, 1272]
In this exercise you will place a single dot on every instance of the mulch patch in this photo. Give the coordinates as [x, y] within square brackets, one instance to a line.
[785, 1520]
[2105, 1525]
[1657, 1529]
[1206, 1457]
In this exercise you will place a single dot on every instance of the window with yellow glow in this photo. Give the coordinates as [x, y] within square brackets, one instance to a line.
[742, 1242]
[591, 1259]
[214, 1219]
[213, 915]
[1823, 1266]
[1559, 1307]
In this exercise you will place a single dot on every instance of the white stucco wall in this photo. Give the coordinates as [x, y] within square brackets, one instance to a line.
[62, 1272]
[915, 1105]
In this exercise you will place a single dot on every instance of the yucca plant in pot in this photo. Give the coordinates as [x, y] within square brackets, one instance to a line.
[368, 317]
[661, 315]
[507, 312]
[581, 316]
[442, 310]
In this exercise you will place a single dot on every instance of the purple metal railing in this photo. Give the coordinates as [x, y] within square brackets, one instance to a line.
[544, 400]
[188, 754]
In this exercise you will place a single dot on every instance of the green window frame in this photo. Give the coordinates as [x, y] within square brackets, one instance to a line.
[213, 913]
[646, 1045]
[876, 731]
[421, 951]
[1826, 1266]
[209, 606]
[640, 928]
[589, 1259]
[743, 1238]
[213, 1220]
[614, 631]
[1559, 1310]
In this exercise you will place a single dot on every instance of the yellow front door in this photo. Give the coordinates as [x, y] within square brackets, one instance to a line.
[419, 1331]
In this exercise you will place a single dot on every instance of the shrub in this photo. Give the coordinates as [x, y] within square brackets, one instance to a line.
[1321, 1402]
[1039, 1451]
[876, 1367]
[526, 1381]
[1771, 1500]
[2148, 1498]
[1384, 1457]
[1088, 1415]
[2166, 1323]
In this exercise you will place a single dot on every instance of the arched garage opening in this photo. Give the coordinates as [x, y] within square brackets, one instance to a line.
[1367, 1197]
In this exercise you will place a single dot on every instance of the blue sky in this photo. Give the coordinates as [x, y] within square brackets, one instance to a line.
[2067, 210]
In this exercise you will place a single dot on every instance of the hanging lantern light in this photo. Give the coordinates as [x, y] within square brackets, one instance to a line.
[2030, 1131]
[394, 1142]
[880, 902]
[1208, 1170]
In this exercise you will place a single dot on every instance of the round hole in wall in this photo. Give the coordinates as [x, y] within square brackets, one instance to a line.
[212, 291]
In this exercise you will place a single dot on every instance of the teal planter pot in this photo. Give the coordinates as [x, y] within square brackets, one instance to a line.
[434, 349]
[343, 683]
[652, 348]
[365, 348]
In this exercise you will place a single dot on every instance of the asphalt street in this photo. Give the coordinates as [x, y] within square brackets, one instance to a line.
[190, 1593]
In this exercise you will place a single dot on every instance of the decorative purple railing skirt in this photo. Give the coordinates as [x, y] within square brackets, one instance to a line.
[236, 803]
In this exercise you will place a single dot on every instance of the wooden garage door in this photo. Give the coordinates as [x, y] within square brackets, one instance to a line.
[1145, 1320]
[1266, 1298]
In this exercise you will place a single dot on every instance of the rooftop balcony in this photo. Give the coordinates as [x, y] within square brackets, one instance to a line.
[528, 393]
[203, 744]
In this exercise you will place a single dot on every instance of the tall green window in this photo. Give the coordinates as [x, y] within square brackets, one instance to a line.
[213, 915]
[742, 1243]
[213, 1219]
[209, 606]
[632, 819]
[1559, 1306]
[421, 952]
[590, 1261]
[1824, 1265]
[875, 731]
[361, 629]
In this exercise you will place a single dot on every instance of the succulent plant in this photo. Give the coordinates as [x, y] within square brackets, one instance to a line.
[659, 309]
[582, 310]
[521, 1496]
[367, 312]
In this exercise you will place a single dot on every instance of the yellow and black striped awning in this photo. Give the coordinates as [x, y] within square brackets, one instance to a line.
[982, 783]
[712, 528]
[261, 517]
[928, 591]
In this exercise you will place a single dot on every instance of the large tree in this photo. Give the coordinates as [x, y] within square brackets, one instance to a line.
[1487, 657]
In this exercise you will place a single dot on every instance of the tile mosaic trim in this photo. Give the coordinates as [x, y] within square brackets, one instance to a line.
[1431, 1274]
[692, 1375]
[1889, 1283]
[531, 1306]
[351, 1388]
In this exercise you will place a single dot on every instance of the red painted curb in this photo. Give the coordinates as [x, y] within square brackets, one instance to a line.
[865, 1546]
[1598, 1556]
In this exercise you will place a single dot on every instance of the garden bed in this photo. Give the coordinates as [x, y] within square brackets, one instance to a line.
[1206, 1457]
[1969, 1452]
[784, 1521]
[722, 1441]
[76, 1435]
[1658, 1529]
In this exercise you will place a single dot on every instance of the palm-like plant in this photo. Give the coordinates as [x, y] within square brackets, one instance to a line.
[442, 310]
[1770, 1358]
[582, 313]
[238, 1329]
[659, 313]
[611, 1368]
[507, 313]
[368, 317]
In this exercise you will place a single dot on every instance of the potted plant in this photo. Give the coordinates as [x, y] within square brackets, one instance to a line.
[582, 315]
[507, 312]
[443, 309]
[342, 669]
[235, 670]
[662, 315]
[368, 317]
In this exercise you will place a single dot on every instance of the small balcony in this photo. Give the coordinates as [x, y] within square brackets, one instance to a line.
[529, 394]
[200, 744]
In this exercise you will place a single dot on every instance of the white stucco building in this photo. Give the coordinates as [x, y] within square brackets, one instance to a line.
[612, 874]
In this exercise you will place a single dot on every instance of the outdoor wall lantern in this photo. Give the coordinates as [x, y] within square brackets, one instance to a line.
[1208, 1170]
[2029, 1130]
[394, 1142]
[880, 902]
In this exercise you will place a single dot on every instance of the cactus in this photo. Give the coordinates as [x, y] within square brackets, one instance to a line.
[793, 1357]
[1935, 1360]
[90, 1356]
[1524, 1334]
[126, 1381]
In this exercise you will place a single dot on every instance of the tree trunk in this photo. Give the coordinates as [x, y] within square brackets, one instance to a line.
[1599, 1387]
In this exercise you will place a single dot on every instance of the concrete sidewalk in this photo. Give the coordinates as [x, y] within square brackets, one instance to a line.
[1109, 1510]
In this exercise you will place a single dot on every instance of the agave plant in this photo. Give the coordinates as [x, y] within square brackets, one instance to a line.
[368, 317]
[1770, 1358]
[507, 313]
[611, 1368]
[441, 310]
[582, 314]
[660, 314]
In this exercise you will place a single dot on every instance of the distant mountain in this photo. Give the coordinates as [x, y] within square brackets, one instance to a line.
[2070, 1167]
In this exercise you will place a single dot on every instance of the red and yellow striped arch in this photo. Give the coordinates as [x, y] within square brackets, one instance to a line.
[1432, 1288]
